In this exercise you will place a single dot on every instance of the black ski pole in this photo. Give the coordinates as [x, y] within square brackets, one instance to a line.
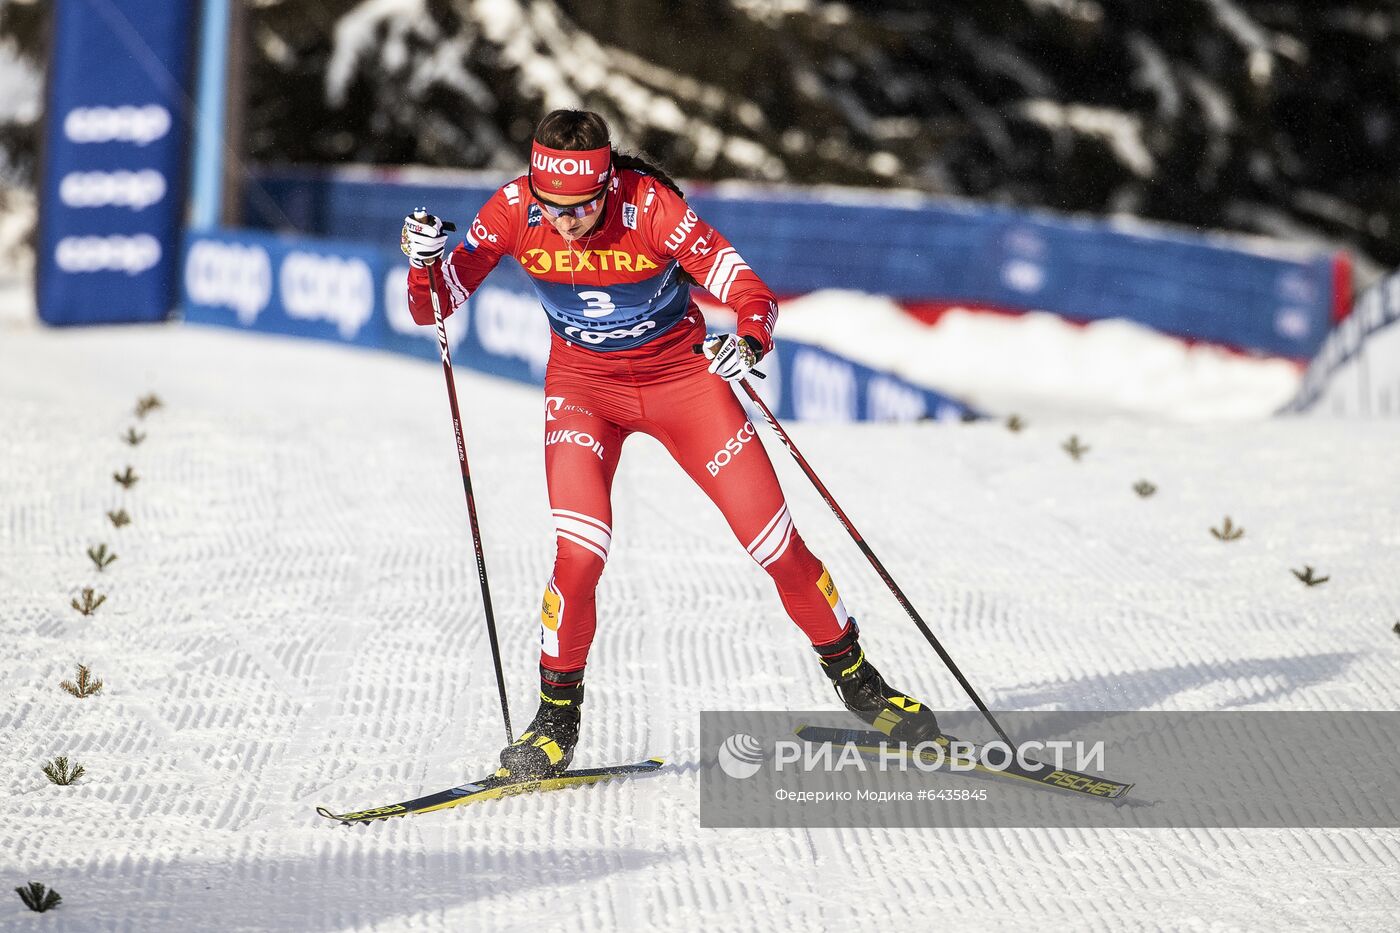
[446, 354]
[874, 561]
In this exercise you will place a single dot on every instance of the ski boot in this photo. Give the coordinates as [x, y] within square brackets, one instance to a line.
[547, 746]
[865, 693]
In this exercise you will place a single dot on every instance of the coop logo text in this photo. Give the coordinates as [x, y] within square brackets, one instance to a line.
[136, 190]
[130, 254]
[127, 124]
[231, 275]
[328, 288]
[595, 337]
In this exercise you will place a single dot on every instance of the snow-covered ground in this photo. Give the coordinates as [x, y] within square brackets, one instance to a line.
[293, 619]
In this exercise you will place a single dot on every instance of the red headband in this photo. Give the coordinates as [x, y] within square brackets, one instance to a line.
[567, 173]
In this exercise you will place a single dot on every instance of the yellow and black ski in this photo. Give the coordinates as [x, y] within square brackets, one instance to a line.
[493, 787]
[870, 742]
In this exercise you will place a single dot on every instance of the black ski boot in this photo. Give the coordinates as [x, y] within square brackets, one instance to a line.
[865, 693]
[547, 746]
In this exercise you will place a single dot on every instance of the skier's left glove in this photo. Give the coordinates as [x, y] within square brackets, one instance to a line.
[732, 357]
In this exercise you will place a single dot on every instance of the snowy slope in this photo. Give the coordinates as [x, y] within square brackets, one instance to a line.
[1041, 364]
[294, 620]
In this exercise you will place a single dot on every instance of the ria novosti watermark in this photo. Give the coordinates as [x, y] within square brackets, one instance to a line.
[1084, 769]
[742, 756]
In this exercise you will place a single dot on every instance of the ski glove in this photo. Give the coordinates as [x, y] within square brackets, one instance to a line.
[422, 239]
[732, 357]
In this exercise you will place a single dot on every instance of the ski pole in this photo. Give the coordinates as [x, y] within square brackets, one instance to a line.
[874, 561]
[467, 486]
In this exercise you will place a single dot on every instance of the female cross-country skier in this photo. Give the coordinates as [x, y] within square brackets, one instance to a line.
[612, 249]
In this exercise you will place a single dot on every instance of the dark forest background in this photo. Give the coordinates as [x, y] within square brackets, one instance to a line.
[1260, 116]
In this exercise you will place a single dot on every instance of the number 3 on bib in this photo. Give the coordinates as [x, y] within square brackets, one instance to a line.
[600, 304]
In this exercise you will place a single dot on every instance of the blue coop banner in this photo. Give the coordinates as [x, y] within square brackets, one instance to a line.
[349, 292]
[1266, 297]
[114, 160]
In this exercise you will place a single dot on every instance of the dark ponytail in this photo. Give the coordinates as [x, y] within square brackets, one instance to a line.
[637, 164]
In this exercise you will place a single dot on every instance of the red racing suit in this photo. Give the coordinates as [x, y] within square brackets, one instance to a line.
[621, 361]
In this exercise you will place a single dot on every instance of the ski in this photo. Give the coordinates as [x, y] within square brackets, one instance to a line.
[869, 741]
[491, 788]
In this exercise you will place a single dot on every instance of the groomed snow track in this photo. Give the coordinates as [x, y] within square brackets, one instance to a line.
[293, 619]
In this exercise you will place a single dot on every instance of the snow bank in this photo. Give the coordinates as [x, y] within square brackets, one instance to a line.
[1039, 363]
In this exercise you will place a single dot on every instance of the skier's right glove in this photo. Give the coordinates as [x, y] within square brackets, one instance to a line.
[422, 239]
[732, 357]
